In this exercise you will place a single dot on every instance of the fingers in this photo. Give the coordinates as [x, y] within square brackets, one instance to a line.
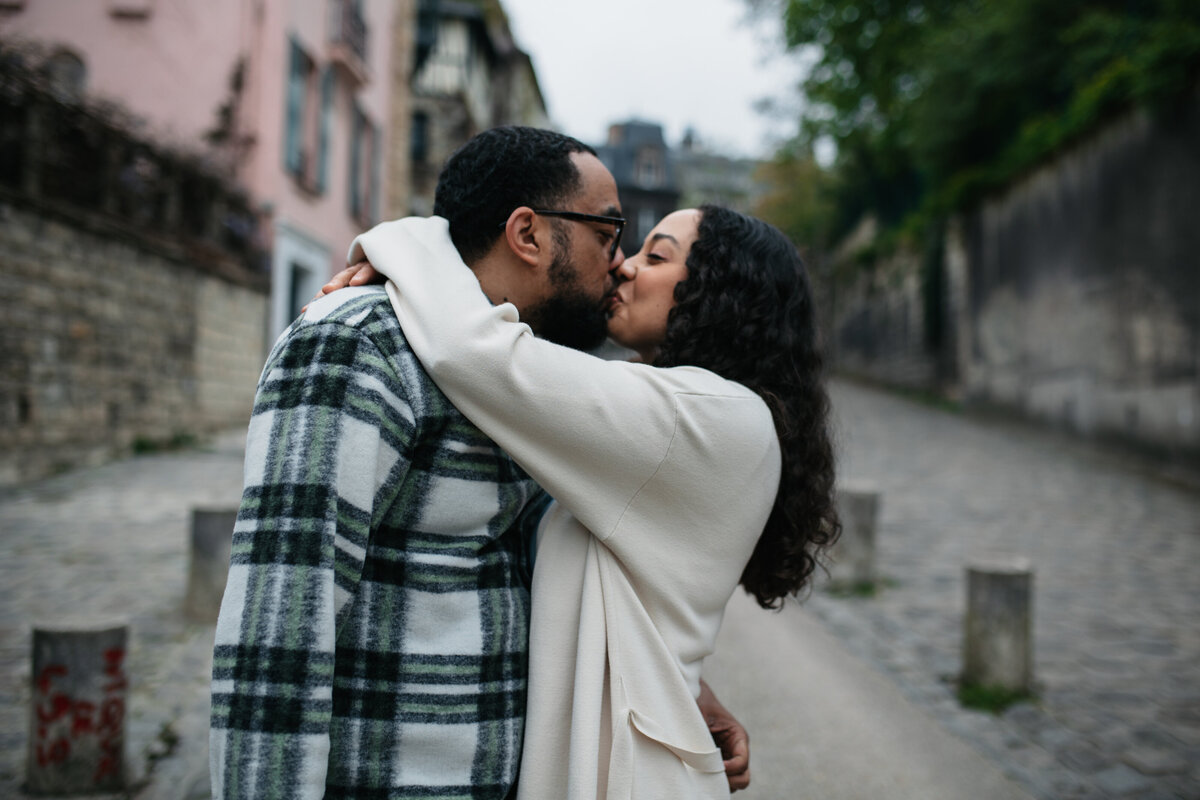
[358, 274]
[734, 742]
[737, 758]
[737, 764]
[340, 280]
[365, 274]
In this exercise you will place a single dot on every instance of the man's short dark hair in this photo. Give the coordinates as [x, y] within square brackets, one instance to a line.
[497, 171]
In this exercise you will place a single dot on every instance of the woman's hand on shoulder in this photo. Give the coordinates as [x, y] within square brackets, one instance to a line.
[360, 274]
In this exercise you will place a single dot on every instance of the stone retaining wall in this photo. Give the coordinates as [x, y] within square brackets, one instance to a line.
[112, 342]
[1073, 297]
[1082, 288]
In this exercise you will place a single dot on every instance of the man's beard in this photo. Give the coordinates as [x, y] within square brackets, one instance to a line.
[569, 317]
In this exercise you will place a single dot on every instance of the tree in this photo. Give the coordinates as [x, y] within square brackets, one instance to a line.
[934, 102]
[797, 197]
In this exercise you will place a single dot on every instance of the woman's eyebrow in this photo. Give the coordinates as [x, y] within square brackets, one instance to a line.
[657, 236]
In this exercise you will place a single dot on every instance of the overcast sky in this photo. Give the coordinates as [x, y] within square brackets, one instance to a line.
[678, 62]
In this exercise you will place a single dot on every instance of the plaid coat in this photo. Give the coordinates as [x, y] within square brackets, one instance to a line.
[372, 641]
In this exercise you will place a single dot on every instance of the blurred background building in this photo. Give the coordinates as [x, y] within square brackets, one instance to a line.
[176, 180]
[288, 101]
[709, 176]
[637, 156]
[469, 76]
[654, 178]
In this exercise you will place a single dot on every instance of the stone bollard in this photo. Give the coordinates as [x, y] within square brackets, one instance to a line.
[77, 720]
[853, 555]
[998, 635]
[212, 542]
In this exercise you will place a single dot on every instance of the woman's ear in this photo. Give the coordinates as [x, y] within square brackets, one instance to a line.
[527, 236]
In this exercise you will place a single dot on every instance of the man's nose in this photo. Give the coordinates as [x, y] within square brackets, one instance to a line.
[623, 268]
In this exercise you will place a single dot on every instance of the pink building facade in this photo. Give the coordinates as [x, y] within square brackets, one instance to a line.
[290, 98]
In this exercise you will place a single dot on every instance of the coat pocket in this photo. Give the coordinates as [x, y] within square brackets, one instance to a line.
[706, 760]
[647, 764]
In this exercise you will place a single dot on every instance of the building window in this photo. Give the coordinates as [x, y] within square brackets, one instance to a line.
[299, 295]
[650, 170]
[646, 220]
[364, 169]
[309, 120]
[349, 27]
[420, 137]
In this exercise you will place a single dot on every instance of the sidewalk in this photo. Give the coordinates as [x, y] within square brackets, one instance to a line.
[824, 726]
[844, 698]
[111, 543]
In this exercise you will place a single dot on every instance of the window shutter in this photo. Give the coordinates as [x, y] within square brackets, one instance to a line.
[376, 170]
[328, 84]
[293, 147]
[356, 136]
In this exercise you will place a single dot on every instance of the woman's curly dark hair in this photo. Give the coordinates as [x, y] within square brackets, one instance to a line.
[746, 312]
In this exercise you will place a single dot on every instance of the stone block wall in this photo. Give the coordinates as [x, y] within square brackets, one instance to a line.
[1073, 297]
[1082, 288]
[878, 323]
[111, 342]
[231, 346]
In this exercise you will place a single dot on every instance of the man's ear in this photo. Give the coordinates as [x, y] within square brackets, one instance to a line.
[527, 236]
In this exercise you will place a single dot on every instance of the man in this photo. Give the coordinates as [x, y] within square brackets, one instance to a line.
[373, 636]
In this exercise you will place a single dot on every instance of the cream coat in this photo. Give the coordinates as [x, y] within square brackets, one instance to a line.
[664, 479]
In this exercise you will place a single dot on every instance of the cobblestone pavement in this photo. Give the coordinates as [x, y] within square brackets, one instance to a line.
[1117, 596]
[111, 543]
[1116, 593]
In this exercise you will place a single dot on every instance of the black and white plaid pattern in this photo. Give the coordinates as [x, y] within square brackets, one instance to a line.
[372, 641]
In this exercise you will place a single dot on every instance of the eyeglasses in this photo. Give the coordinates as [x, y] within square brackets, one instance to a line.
[575, 216]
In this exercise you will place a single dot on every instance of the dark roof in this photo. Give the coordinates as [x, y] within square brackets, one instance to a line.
[626, 140]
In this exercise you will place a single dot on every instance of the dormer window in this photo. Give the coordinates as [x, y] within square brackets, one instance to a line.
[650, 172]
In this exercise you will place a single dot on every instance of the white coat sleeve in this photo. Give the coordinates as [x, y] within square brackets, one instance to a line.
[591, 432]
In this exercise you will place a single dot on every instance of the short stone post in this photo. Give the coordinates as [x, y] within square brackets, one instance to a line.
[212, 543]
[998, 636]
[77, 720]
[853, 555]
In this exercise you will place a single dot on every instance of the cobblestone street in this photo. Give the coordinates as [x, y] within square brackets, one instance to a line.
[1117, 596]
[1116, 593]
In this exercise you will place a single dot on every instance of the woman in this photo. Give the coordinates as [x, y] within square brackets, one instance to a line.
[675, 479]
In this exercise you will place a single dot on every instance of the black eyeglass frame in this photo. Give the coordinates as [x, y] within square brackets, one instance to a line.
[617, 222]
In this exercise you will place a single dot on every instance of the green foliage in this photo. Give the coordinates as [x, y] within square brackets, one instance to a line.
[861, 589]
[934, 103]
[993, 699]
[798, 197]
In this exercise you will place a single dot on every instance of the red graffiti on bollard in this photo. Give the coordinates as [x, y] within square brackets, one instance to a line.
[112, 714]
[63, 720]
[51, 707]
